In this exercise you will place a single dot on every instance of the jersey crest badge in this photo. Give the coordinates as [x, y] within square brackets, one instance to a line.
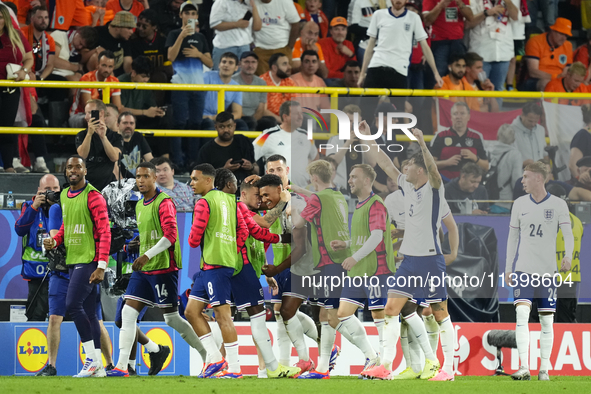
[469, 142]
[448, 141]
[407, 26]
[562, 59]
[548, 214]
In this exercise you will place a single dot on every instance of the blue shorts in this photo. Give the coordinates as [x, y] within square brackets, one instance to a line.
[328, 298]
[120, 303]
[160, 290]
[213, 286]
[420, 277]
[420, 302]
[545, 296]
[58, 289]
[283, 280]
[376, 296]
[246, 288]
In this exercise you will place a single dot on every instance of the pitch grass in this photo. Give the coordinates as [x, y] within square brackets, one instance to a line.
[336, 385]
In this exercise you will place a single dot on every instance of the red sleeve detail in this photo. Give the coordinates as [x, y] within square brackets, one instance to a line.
[102, 230]
[59, 237]
[241, 229]
[257, 232]
[312, 209]
[377, 217]
[200, 220]
[167, 212]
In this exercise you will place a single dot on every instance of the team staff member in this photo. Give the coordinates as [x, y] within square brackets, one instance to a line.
[87, 236]
[154, 281]
[32, 225]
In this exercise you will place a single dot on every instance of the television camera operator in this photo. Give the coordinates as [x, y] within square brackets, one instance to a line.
[32, 225]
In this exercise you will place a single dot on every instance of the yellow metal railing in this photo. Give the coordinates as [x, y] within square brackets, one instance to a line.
[334, 94]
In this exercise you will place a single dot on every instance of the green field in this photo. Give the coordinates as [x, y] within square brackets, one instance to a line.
[337, 385]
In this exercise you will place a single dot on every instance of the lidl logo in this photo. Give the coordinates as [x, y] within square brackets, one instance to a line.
[82, 354]
[31, 350]
[161, 337]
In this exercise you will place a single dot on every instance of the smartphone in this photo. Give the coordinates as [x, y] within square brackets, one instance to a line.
[95, 114]
[247, 16]
[482, 76]
[191, 22]
[237, 161]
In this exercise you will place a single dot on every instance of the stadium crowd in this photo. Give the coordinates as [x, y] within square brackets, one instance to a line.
[451, 45]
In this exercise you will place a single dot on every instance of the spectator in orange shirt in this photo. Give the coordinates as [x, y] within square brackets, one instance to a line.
[337, 48]
[97, 13]
[278, 75]
[308, 78]
[42, 43]
[548, 56]
[104, 73]
[571, 83]
[582, 55]
[134, 6]
[314, 13]
[456, 80]
[308, 41]
[24, 7]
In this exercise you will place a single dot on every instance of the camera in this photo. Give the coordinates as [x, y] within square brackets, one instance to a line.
[51, 197]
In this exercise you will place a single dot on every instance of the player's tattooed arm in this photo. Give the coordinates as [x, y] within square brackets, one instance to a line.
[274, 213]
[434, 176]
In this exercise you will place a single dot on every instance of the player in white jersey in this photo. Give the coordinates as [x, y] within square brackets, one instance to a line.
[535, 220]
[425, 208]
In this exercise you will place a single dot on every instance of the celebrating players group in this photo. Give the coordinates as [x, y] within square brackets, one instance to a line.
[311, 237]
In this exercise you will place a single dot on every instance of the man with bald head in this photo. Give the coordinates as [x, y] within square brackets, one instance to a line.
[32, 225]
[308, 41]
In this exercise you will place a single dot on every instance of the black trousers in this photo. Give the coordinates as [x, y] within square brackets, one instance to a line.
[566, 304]
[9, 100]
[38, 307]
[382, 78]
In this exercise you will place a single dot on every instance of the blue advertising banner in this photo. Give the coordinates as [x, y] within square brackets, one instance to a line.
[24, 349]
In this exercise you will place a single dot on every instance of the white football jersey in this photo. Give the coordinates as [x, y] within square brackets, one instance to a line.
[394, 203]
[424, 208]
[538, 225]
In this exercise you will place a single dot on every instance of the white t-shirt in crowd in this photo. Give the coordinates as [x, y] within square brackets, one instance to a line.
[394, 35]
[230, 11]
[361, 12]
[276, 141]
[492, 39]
[518, 26]
[61, 39]
[277, 17]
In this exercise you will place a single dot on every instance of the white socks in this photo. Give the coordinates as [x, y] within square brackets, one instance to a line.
[432, 328]
[379, 323]
[175, 321]
[522, 333]
[546, 340]
[404, 343]
[354, 331]
[296, 335]
[415, 352]
[415, 323]
[283, 341]
[213, 352]
[447, 344]
[89, 349]
[232, 357]
[151, 347]
[98, 353]
[308, 325]
[261, 337]
[326, 343]
[391, 334]
[126, 335]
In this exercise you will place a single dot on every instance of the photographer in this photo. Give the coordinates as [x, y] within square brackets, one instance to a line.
[32, 225]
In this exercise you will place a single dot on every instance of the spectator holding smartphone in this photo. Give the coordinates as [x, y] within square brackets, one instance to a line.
[234, 23]
[234, 152]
